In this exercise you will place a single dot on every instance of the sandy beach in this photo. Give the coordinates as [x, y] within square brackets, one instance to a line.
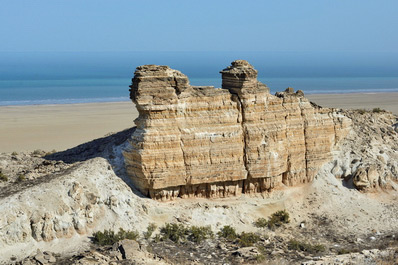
[387, 101]
[59, 127]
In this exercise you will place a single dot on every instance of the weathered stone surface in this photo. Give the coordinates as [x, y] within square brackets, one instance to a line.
[247, 252]
[129, 248]
[209, 142]
[40, 257]
[368, 155]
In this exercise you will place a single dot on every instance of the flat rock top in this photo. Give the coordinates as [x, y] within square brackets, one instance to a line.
[237, 63]
[151, 70]
[240, 67]
[206, 91]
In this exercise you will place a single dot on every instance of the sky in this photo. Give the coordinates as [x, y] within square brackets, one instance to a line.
[159, 25]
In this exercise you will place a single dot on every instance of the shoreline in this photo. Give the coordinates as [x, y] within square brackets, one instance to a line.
[63, 126]
[306, 94]
[67, 104]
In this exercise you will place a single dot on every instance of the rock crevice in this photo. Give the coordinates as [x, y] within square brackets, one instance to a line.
[218, 142]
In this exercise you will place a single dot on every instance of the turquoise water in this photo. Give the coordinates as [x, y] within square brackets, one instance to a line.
[62, 78]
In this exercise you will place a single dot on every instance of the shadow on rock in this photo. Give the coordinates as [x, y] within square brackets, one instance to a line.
[348, 182]
[102, 147]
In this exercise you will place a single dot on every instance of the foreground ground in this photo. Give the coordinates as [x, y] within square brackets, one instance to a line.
[329, 222]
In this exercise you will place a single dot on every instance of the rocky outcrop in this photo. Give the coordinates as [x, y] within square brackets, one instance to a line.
[64, 208]
[368, 156]
[219, 142]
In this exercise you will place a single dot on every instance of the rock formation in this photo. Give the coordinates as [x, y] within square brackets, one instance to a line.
[219, 142]
[368, 158]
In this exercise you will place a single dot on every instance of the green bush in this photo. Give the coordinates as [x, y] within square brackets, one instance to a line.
[378, 110]
[228, 232]
[361, 111]
[157, 238]
[3, 177]
[21, 178]
[346, 251]
[306, 247]
[133, 235]
[260, 258]
[248, 239]
[278, 218]
[261, 223]
[37, 152]
[109, 237]
[174, 232]
[178, 233]
[149, 231]
[14, 153]
[199, 233]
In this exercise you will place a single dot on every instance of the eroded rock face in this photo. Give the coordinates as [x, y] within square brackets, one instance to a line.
[212, 142]
[368, 156]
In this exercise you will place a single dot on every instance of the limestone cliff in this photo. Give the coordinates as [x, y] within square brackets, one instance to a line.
[218, 142]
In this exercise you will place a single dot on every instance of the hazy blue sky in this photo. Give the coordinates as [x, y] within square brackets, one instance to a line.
[288, 25]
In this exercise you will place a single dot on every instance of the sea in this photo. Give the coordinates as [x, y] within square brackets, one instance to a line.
[34, 78]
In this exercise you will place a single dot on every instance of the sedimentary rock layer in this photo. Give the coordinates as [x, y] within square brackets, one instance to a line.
[218, 142]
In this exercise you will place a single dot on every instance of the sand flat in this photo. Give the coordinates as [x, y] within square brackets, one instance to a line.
[59, 127]
[387, 101]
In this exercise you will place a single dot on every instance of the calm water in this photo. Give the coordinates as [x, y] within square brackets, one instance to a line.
[59, 78]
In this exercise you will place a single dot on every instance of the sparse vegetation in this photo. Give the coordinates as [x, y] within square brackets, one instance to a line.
[37, 152]
[228, 232]
[174, 232]
[306, 247]
[21, 178]
[248, 239]
[347, 251]
[378, 110]
[109, 237]
[149, 231]
[200, 233]
[261, 223]
[260, 258]
[374, 110]
[244, 239]
[277, 219]
[3, 177]
[178, 233]
[157, 238]
[14, 153]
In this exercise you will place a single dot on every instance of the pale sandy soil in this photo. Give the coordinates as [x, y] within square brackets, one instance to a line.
[59, 127]
[387, 101]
